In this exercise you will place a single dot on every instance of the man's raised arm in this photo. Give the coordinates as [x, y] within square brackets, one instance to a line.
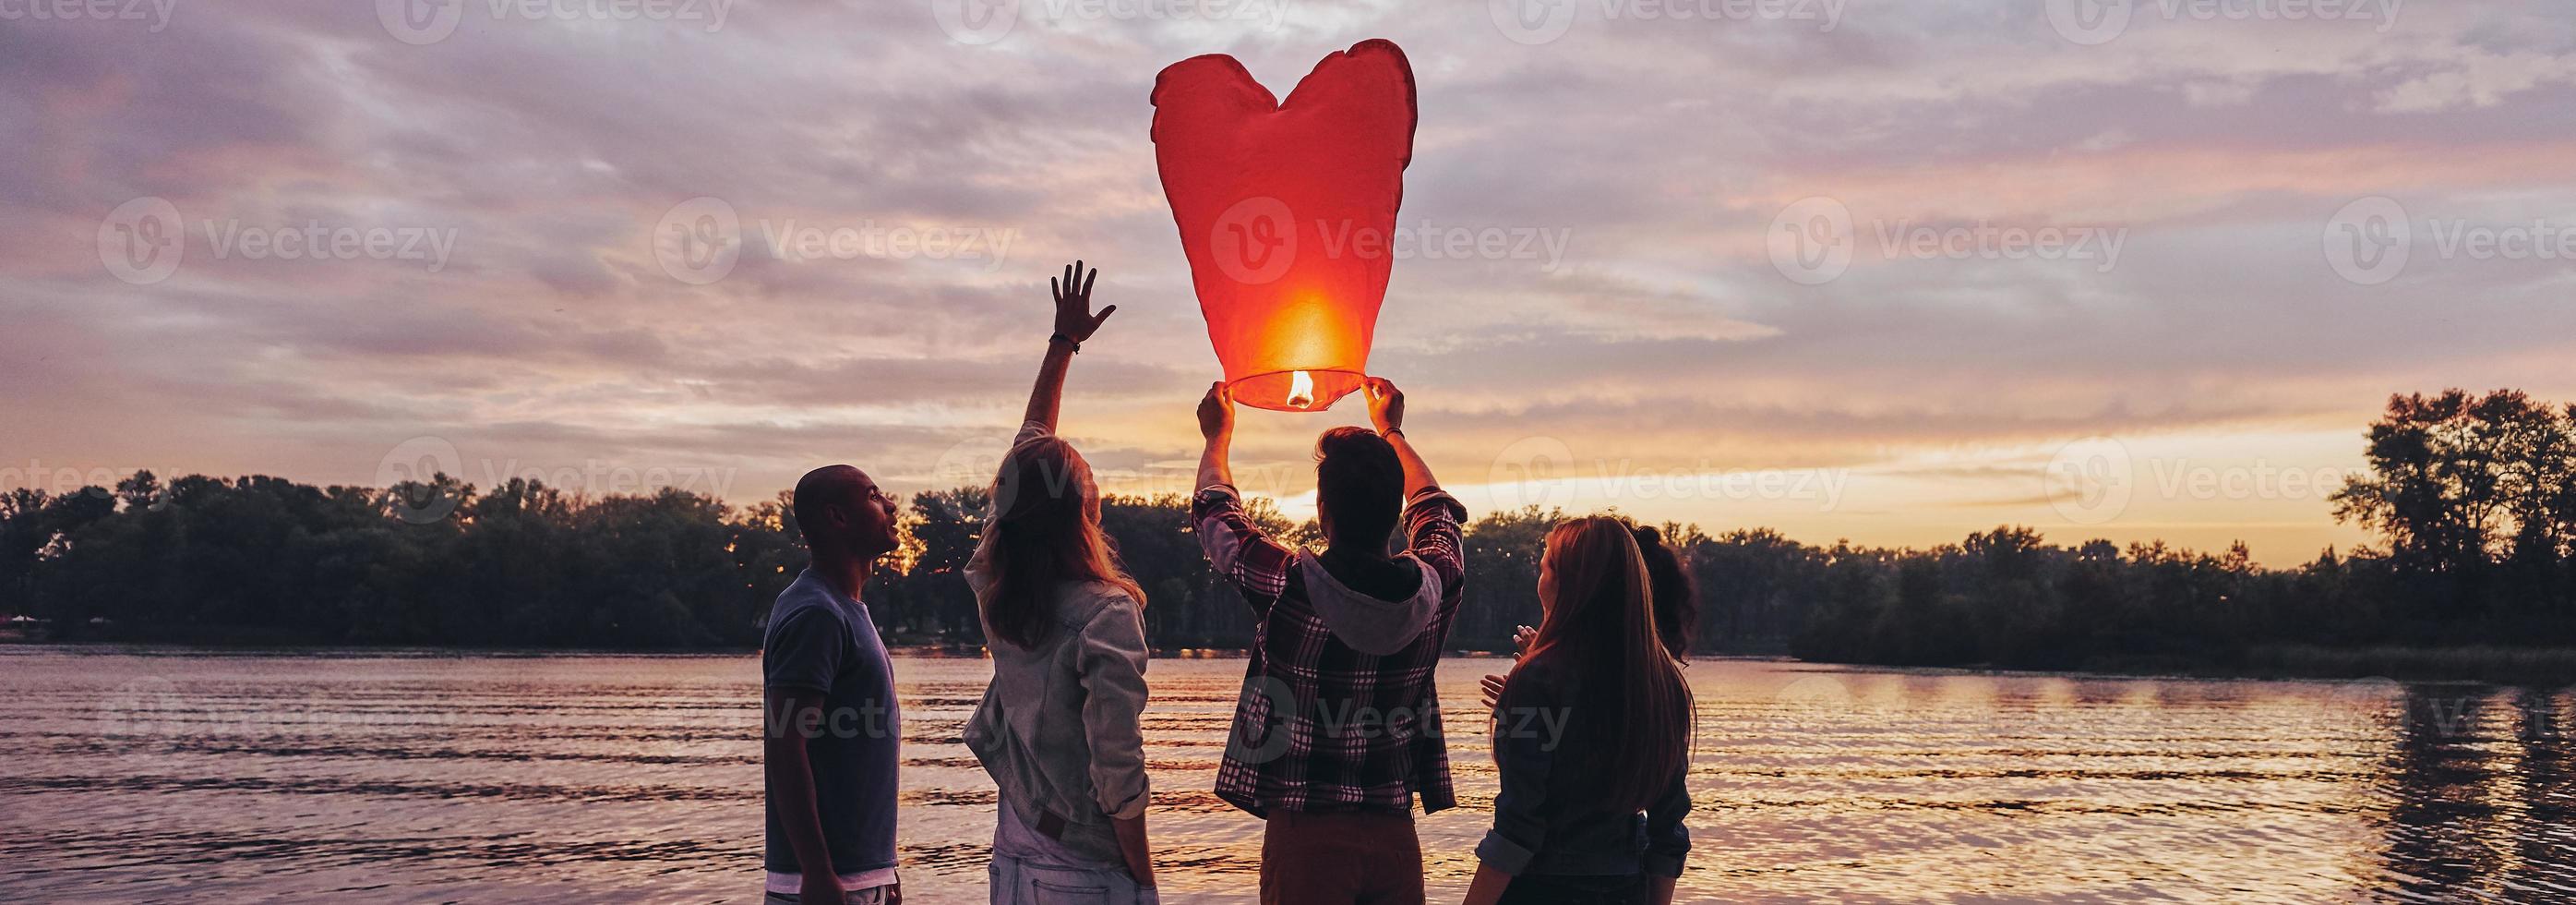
[1236, 548]
[1434, 522]
[1386, 412]
[1216, 423]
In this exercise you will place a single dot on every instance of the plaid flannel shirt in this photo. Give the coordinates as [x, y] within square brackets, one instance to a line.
[1360, 731]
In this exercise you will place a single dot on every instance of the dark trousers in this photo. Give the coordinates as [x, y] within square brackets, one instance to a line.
[1341, 858]
[1535, 889]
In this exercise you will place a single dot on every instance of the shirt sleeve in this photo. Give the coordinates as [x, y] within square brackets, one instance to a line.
[1030, 430]
[1236, 549]
[1111, 663]
[804, 651]
[1667, 838]
[1434, 534]
[1524, 756]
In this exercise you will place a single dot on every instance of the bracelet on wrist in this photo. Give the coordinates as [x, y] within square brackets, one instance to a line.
[1067, 341]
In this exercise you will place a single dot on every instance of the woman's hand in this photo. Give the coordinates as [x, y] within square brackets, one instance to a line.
[1493, 684]
[1073, 317]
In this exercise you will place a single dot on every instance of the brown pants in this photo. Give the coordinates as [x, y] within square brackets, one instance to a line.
[1360, 858]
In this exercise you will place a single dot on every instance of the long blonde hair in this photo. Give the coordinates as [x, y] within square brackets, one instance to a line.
[1630, 700]
[1046, 525]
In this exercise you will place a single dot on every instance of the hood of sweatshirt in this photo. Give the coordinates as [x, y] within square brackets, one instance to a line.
[1367, 624]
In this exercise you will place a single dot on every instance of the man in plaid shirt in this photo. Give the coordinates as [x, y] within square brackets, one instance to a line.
[1338, 727]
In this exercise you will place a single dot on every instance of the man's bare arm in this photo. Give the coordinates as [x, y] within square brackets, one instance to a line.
[1386, 412]
[792, 713]
[1216, 423]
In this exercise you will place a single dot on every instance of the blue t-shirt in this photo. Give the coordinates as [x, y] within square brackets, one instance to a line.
[820, 641]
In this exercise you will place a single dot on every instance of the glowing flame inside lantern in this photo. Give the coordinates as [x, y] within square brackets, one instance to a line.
[1301, 390]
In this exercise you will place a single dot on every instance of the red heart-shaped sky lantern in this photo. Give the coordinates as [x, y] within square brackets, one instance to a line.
[1287, 212]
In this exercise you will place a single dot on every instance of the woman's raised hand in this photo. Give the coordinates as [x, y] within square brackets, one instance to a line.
[1073, 317]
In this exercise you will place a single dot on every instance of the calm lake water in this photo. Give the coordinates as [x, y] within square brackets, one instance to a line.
[189, 777]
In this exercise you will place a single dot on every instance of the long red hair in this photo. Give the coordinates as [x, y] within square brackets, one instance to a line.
[1630, 702]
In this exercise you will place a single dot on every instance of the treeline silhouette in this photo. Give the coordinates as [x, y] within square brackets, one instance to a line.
[2473, 495]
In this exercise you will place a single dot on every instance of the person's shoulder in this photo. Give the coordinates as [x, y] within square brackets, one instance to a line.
[1540, 679]
[1091, 599]
[806, 598]
[1431, 501]
[805, 591]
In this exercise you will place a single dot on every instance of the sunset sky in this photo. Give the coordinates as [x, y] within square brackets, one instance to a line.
[2194, 358]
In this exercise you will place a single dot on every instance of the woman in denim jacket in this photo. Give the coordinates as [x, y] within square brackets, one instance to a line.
[1058, 729]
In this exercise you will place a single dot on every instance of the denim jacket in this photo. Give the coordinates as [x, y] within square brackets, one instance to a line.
[1059, 728]
[1544, 821]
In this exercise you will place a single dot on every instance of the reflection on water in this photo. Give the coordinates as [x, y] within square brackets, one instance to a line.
[188, 777]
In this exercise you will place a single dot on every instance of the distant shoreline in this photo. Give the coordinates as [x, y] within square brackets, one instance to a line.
[2536, 667]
